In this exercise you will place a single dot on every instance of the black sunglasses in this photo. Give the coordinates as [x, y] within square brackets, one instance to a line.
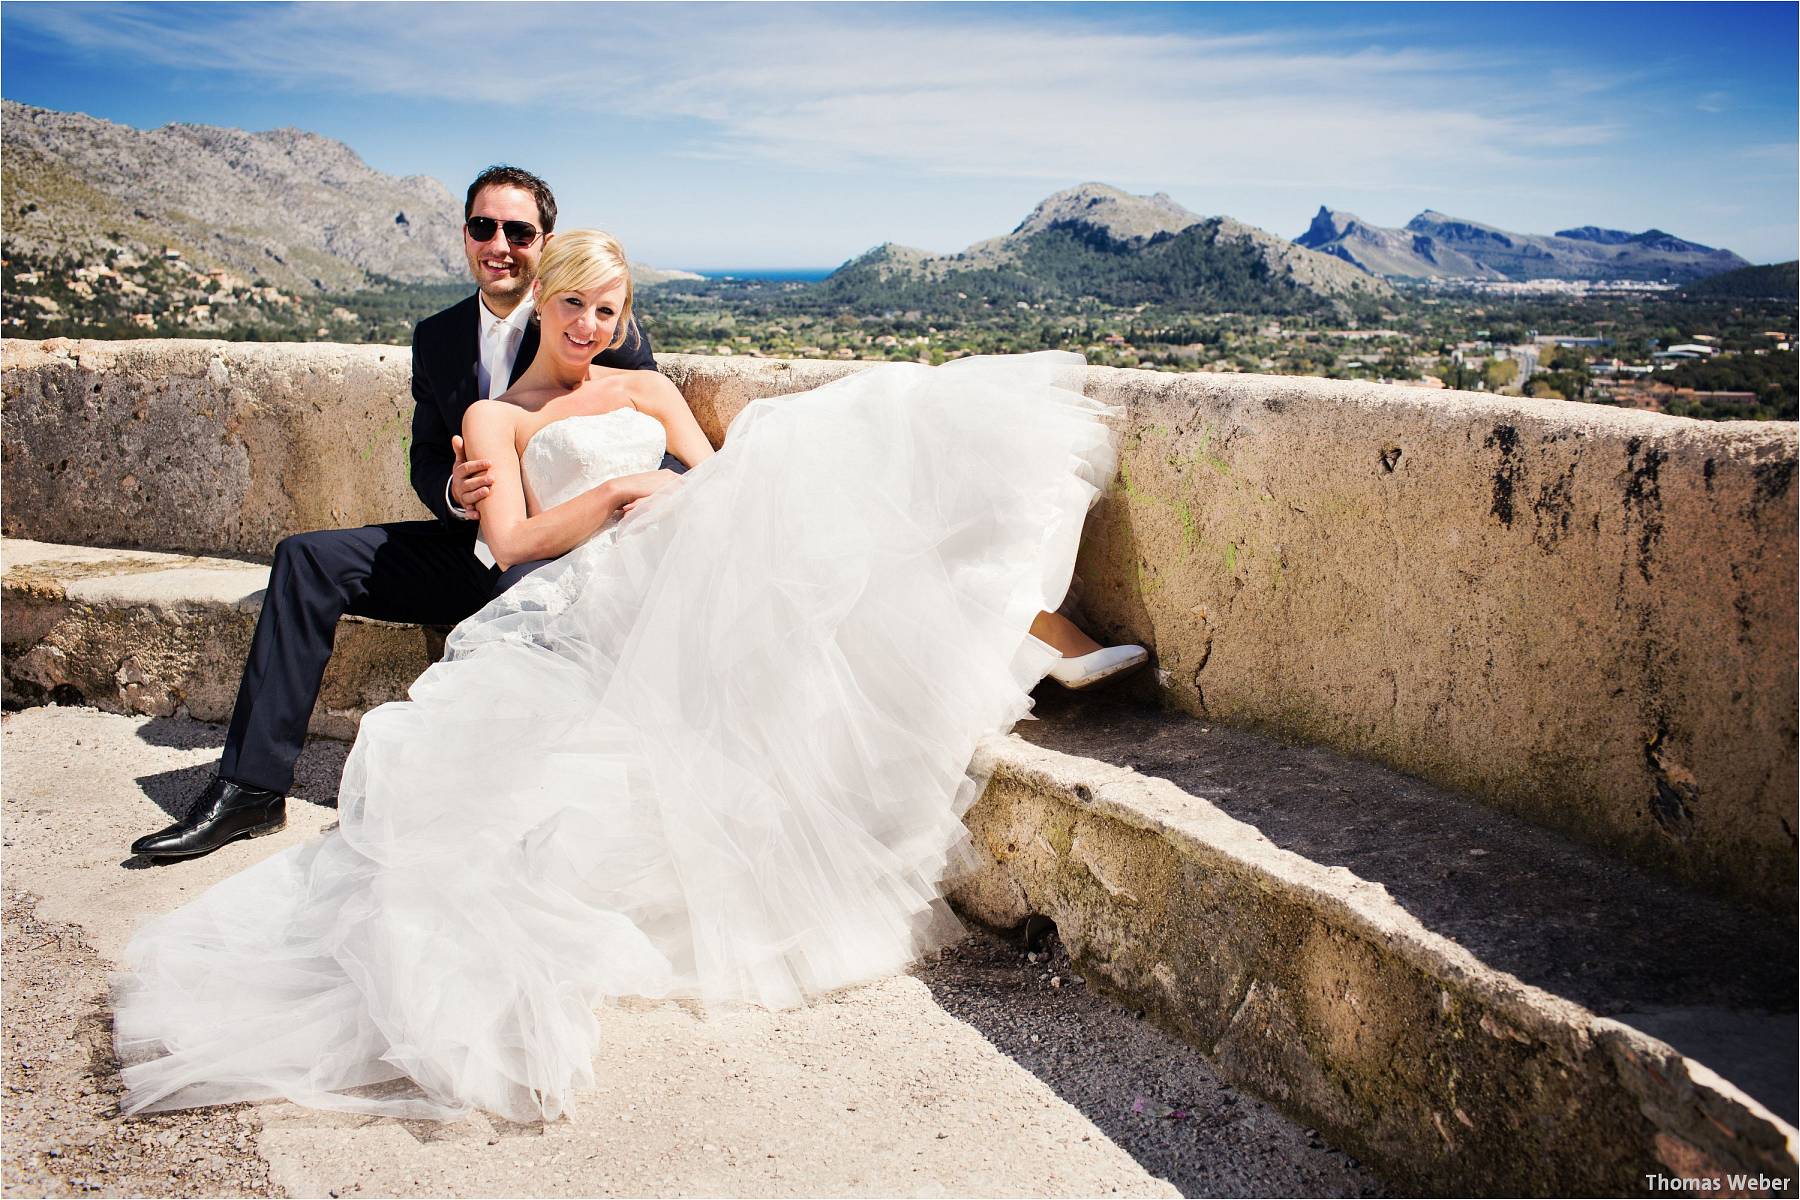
[518, 233]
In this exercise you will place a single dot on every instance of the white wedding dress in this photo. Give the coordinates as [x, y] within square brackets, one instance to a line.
[718, 751]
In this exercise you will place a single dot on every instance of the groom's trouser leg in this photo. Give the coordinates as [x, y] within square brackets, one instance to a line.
[412, 571]
[512, 575]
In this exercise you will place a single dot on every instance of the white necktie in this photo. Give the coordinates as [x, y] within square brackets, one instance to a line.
[497, 359]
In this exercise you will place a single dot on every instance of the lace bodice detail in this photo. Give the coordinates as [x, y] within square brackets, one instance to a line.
[567, 457]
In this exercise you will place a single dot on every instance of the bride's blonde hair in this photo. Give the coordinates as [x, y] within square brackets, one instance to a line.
[587, 258]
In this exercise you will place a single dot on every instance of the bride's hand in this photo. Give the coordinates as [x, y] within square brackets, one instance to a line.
[642, 486]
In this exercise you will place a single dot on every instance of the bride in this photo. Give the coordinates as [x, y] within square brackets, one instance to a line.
[717, 750]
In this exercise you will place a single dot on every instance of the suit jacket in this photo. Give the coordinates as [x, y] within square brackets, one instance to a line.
[446, 351]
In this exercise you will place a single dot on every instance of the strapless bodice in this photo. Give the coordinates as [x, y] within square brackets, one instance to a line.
[567, 457]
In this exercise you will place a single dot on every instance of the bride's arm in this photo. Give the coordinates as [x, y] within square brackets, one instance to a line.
[512, 534]
[658, 396]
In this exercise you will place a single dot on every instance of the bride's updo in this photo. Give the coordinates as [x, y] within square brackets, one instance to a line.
[587, 258]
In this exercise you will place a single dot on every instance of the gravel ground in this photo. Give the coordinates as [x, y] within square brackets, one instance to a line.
[63, 1134]
[1153, 1095]
[985, 1073]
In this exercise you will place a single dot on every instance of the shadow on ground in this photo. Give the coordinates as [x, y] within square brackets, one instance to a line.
[1715, 981]
[181, 733]
[1151, 1094]
[316, 775]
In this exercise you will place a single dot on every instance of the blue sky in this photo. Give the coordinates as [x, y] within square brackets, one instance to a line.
[761, 135]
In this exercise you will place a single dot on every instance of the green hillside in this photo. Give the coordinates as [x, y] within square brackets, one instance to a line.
[1777, 281]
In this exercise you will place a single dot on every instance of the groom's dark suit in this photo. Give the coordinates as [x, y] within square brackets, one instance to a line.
[422, 572]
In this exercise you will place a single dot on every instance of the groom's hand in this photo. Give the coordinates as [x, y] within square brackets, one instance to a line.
[470, 482]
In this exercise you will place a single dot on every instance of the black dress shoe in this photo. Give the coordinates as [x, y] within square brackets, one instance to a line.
[224, 812]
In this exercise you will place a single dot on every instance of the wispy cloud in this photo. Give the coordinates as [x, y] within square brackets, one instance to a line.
[902, 87]
[1237, 109]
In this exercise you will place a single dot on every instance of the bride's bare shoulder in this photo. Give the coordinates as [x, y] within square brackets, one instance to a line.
[494, 409]
[490, 416]
[649, 390]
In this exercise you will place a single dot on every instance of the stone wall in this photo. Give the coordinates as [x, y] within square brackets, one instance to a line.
[1585, 615]
[202, 447]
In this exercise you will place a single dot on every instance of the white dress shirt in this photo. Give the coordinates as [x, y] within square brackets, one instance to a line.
[498, 339]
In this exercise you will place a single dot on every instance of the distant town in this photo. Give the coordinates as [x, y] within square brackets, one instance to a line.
[1630, 344]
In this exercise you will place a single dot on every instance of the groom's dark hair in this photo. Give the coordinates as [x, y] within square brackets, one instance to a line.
[505, 176]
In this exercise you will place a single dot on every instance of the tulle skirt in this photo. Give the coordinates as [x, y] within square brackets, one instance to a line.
[717, 752]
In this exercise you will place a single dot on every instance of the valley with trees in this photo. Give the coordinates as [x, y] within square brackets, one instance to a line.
[1234, 321]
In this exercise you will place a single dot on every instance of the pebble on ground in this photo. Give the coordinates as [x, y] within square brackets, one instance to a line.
[64, 1136]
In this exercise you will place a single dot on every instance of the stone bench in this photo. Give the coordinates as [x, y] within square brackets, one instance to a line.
[133, 631]
[1474, 1003]
[1469, 1002]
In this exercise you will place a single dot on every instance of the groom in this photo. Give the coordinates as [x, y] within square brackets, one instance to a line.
[418, 572]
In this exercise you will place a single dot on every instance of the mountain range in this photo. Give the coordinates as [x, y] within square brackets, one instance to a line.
[301, 211]
[1096, 240]
[285, 207]
[1433, 245]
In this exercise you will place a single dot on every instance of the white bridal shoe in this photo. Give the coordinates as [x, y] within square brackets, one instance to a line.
[1104, 663]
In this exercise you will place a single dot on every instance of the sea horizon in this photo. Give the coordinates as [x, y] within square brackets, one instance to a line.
[781, 274]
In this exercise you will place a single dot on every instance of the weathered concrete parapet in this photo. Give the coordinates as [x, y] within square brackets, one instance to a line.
[203, 447]
[1586, 615]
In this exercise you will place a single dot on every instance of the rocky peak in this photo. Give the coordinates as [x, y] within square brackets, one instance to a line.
[1328, 226]
[1656, 239]
[1457, 230]
[1110, 210]
[1593, 233]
